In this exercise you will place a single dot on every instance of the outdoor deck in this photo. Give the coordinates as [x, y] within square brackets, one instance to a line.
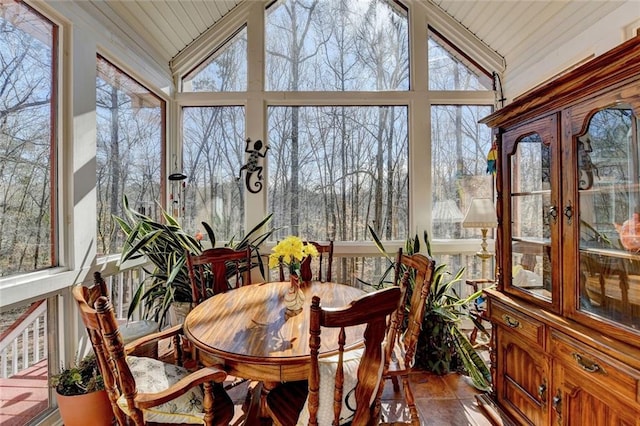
[23, 395]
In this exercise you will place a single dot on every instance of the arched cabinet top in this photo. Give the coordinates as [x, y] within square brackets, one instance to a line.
[626, 97]
[545, 127]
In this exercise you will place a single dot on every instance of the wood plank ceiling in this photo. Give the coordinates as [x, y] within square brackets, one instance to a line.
[168, 26]
[525, 31]
[522, 31]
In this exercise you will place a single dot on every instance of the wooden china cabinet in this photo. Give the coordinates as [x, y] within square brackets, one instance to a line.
[566, 310]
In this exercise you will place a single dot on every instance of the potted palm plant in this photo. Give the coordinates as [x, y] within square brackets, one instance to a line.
[442, 346]
[164, 243]
[81, 395]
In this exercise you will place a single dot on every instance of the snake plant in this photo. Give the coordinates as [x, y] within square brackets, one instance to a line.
[442, 346]
[164, 243]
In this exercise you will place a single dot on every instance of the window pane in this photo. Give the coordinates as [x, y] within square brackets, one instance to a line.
[130, 151]
[530, 201]
[608, 162]
[459, 163]
[27, 140]
[335, 170]
[451, 70]
[225, 70]
[337, 45]
[213, 152]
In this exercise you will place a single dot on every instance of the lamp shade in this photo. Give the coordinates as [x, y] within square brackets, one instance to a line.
[481, 214]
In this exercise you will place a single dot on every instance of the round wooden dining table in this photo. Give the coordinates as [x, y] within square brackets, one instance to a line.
[252, 333]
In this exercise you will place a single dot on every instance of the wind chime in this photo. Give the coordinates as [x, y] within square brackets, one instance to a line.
[178, 186]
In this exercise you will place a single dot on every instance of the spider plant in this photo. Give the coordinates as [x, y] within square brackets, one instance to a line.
[442, 346]
[165, 245]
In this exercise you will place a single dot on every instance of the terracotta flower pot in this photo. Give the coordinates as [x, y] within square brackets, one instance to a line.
[92, 408]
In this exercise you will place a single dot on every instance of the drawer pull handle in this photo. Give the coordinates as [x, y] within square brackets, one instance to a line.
[542, 392]
[587, 365]
[512, 323]
[556, 404]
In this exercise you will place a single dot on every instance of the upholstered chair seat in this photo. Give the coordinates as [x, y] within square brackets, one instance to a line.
[152, 377]
[145, 389]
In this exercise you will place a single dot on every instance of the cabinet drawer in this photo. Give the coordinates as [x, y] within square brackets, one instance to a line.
[602, 371]
[518, 323]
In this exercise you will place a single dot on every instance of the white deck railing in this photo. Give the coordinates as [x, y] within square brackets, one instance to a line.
[24, 343]
[122, 285]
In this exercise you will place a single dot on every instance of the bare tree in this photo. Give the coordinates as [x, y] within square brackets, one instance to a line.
[25, 149]
[299, 16]
[129, 144]
[214, 144]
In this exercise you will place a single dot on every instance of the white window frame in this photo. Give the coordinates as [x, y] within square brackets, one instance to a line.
[418, 100]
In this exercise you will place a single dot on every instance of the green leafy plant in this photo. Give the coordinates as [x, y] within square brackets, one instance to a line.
[79, 379]
[165, 245]
[442, 346]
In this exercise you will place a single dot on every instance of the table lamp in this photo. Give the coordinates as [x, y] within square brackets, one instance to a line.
[481, 214]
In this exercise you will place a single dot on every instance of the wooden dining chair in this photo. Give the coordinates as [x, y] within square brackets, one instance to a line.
[218, 270]
[415, 273]
[312, 269]
[349, 377]
[144, 389]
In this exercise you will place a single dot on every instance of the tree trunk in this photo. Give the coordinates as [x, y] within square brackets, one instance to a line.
[115, 159]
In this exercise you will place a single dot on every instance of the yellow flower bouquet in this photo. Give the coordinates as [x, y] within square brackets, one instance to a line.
[291, 252]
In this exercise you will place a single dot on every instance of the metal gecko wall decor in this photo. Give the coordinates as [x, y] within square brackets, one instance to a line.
[256, 150]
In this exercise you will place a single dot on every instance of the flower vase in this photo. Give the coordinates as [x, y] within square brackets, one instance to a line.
[294, 297]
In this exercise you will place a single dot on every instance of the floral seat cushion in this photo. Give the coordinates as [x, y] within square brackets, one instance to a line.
[152, 375]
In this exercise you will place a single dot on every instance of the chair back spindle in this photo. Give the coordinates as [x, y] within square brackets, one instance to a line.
[372, 310]
[217, 270]
[413, 273]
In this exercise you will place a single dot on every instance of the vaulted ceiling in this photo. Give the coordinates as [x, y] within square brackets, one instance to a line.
[166, 25]
[520, 31]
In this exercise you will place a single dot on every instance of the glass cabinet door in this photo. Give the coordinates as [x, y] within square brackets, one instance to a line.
[532, 212]
[608, 174]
